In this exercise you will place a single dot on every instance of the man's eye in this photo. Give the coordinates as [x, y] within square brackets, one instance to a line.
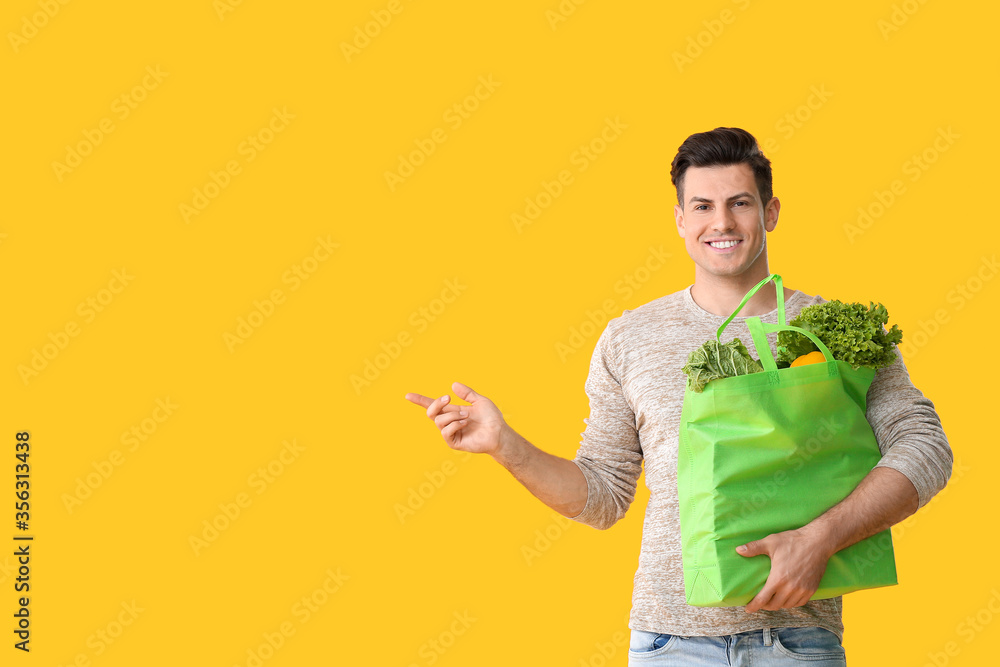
[741, 202]
[699, 207]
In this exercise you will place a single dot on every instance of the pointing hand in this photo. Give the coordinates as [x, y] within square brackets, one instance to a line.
[469, 428]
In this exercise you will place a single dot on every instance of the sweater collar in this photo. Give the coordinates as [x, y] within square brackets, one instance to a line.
[772, 314]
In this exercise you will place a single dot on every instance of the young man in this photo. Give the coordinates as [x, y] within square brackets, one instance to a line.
[636, 388]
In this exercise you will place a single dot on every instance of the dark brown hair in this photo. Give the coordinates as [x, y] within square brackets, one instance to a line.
[722, 147]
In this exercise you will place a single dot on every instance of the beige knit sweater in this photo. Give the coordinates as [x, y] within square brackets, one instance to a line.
[636, 390]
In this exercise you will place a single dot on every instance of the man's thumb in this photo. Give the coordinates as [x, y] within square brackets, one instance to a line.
[464, 392]
[752, 548]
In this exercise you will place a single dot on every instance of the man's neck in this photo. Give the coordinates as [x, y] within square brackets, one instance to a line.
[721, 296]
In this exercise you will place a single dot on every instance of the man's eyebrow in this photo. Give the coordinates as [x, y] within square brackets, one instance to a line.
[738, 195]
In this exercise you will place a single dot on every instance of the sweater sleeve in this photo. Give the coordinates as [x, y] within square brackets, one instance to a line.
[610, 455]
[908, 431]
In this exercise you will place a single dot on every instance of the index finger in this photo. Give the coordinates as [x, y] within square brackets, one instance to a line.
[419, 399]
[427, 402]
[762, 598]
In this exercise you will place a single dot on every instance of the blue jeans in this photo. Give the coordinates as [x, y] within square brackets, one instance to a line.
[770, 647]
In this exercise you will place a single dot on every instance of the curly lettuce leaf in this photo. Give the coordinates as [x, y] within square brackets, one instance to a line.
[854, 333]
[715, 360]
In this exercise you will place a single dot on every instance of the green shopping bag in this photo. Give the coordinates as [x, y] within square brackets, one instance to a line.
[768, 452]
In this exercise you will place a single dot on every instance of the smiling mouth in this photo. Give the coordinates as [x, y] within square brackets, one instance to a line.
[721, 245]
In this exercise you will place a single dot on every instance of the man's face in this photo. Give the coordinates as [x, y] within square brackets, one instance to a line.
[722, 206]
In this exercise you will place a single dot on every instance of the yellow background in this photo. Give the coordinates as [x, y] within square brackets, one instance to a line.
[365, 451]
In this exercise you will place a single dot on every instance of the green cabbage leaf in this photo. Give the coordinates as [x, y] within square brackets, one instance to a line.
[715, 360]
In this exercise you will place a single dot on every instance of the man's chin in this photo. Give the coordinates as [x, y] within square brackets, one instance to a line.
[721, 270]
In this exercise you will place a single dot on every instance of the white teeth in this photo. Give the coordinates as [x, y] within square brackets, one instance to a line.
[723, 244]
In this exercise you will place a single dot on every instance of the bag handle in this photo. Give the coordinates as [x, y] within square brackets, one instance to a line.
[759, 330]
[779, 290]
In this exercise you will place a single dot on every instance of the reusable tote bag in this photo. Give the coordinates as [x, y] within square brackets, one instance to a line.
[768, 452]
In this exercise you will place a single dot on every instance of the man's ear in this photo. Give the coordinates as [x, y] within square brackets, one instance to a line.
[771, 214]
[679, 219]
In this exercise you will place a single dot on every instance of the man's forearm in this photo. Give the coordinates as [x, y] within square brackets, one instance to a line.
[556, 481]
[882, 499]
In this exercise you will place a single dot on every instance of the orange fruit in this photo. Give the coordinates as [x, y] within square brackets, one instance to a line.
[811, 358]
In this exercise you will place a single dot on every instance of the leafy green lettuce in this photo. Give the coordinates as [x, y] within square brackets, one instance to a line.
[715, 360]
[854, 333]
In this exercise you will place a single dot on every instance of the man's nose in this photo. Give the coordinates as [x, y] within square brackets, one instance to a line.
[724, 219]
